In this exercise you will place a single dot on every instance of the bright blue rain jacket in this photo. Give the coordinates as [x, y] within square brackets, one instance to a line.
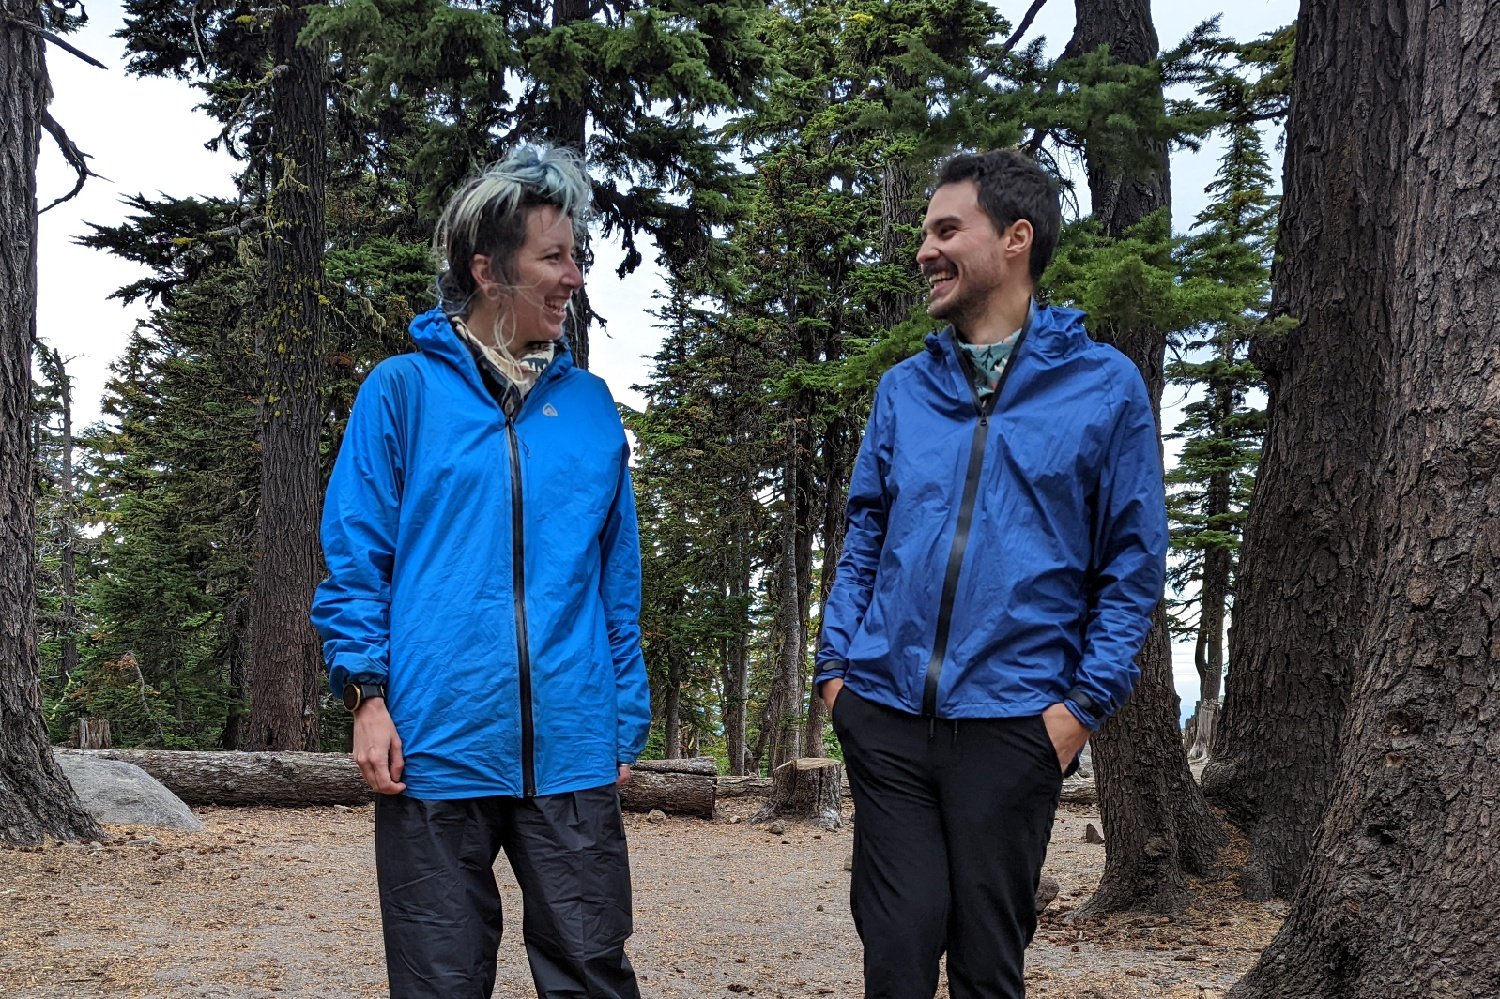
[993, 564]
[488, 573]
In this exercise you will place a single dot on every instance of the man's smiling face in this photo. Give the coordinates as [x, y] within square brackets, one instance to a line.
[962, 255]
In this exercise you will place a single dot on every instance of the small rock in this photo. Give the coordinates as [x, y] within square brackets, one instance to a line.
[342, 808]
[734, 820]
[656, 815]
[145, 841]
[775, 828]
[849, 864]
[1091, 834]
[1046, 893]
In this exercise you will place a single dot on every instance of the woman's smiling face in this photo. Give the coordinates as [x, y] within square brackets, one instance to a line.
[545, 275]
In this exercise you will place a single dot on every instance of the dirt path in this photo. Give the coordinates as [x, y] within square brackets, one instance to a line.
[281, 903]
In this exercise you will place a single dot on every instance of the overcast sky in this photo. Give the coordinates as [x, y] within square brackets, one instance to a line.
[145, 137]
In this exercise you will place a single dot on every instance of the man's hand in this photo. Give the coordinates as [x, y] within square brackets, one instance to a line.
[830, 691]
[624, 777]
[1067, 733]
[377, 747]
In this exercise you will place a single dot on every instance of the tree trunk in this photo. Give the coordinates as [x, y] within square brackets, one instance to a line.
[285, 672]
[672, 708]
[734, 670]
[1397, 895]
[1218, 566]
[1302, 591]
[36, 801]
[806, 788]
[783, 707]
[1156, 823]
[567, 125]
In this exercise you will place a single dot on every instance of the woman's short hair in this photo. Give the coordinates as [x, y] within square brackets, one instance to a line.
[487, 215]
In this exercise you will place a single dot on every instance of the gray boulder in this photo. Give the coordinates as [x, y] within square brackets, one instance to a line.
[123, 794]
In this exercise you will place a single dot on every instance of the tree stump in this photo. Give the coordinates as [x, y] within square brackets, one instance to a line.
[90, 733]
[806, 788]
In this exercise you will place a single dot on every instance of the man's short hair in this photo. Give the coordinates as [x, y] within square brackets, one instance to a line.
[1012, 187]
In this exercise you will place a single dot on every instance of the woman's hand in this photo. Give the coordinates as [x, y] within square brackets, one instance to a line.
[377, 747]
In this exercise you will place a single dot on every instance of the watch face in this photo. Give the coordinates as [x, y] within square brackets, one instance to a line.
[351, 696]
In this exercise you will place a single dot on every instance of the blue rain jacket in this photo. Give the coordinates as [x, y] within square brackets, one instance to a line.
[488, 573]
[1046, 584]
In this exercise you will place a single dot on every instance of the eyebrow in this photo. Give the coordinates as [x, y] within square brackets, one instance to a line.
[929, 226]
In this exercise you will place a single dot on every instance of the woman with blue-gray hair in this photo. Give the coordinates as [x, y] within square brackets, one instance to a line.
[481, 611]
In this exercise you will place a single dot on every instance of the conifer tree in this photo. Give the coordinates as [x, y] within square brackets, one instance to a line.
[35, 798]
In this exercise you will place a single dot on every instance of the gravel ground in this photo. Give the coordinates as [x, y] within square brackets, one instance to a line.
[280, 903]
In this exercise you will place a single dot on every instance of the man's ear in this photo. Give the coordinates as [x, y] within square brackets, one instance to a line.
[1016, 240]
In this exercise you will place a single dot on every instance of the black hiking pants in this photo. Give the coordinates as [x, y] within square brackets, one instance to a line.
[440, 906]
[951, 822]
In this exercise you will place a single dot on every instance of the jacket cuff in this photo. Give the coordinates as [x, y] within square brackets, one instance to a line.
[1083, 707]
[355, 670]
[831, 670]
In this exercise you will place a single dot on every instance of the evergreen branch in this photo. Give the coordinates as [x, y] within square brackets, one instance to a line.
[46, 35]
[1031, 13]
[75, 157]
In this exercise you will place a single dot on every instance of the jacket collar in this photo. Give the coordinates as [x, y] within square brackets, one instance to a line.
[1053, 332]
[434, 335]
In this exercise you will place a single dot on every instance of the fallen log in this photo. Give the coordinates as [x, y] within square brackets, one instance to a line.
[235, 778]
[677, 787]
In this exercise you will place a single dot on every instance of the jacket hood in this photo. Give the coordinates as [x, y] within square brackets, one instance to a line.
[1054, 332]
[433, 333]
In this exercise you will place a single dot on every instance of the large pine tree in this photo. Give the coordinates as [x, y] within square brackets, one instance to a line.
[1383, 418]
[35, 799]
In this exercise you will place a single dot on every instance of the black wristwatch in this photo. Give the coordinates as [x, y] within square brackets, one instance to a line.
[356, 694]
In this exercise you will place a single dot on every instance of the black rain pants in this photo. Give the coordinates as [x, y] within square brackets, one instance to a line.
[951, 822]
[440, 906]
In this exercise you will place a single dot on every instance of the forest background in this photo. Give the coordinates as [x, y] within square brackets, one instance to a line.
[155, 567]
[148, 138]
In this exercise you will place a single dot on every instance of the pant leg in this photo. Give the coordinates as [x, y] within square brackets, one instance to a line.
[899, 893]
[569, 856]
[439, 905]
[1000, 787]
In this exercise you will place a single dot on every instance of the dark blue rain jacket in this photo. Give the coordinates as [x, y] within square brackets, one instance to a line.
[488, 573]
[992, 564]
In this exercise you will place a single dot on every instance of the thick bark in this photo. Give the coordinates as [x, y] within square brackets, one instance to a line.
[1302, 592]
[1397, 895]
[285, 670]
[678, 787]
[36, 801]
[1157, 825]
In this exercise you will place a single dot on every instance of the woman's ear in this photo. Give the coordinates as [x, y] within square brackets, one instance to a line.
[484, 276]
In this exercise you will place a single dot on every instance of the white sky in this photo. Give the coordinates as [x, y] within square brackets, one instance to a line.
[145, 137]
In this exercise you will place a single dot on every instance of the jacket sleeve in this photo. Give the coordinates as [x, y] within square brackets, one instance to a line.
[620, 588]
[1128, 573]
[351, 609]
[864, 536]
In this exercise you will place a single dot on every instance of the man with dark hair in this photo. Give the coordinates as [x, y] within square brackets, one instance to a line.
[1005, 551]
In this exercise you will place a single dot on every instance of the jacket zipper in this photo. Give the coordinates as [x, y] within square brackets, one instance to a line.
[965, 517]
[518, 585]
